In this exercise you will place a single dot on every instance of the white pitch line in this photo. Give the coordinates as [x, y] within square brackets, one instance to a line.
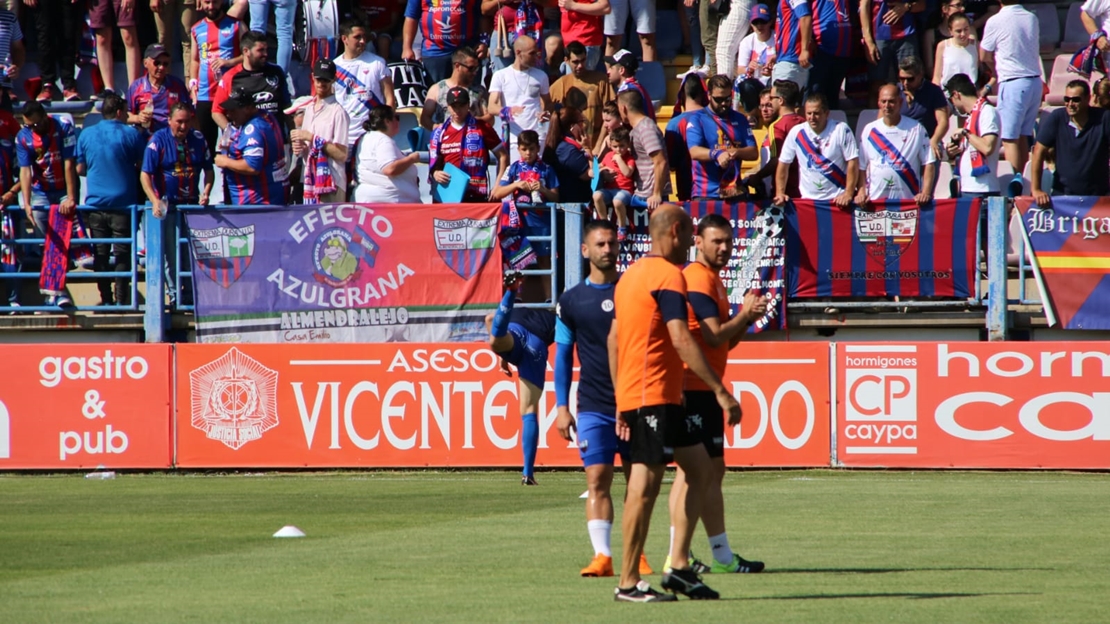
[758, 361]
[335, 362]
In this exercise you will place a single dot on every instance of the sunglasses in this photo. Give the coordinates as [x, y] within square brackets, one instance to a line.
[722, 100]
[161, 63]
[759, 23]
[1072, 100]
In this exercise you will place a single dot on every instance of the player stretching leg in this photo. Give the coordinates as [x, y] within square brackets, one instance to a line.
[716, 334]
[648, 344]
[521, 337]
[585, 313]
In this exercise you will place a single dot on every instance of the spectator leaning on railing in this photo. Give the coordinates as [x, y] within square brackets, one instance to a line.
[1080, 135]
[108, 155]
[150, 97]
[172, 163]
[827, 157]
[895, 155]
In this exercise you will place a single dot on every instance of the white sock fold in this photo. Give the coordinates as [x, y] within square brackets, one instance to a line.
[599, 536]
[722, 553]
[670, 547]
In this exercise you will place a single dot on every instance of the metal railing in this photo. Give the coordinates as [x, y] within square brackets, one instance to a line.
[30, 251]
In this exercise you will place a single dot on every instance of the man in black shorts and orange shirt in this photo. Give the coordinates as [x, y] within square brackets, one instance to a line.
[648, 344]
[716, 333]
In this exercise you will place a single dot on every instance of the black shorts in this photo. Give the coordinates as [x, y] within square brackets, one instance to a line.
[703, 404]
[659, 429]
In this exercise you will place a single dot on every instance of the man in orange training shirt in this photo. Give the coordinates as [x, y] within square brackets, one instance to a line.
[648, 344]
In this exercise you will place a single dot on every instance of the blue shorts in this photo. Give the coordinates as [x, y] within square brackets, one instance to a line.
[1019, 101]
[597, 439]
[529, 355]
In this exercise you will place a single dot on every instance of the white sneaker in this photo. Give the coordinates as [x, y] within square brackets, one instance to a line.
[13, 304]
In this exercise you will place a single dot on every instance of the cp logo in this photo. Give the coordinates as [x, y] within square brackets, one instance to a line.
[881, 394]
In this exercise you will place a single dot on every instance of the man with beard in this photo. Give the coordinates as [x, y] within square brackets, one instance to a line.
[256, 77]
[719, 138]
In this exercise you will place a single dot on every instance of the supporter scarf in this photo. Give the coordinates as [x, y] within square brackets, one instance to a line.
[897, 161]
[529, 21]
[1089, 59]
[475, 158]
[55, 258]
[823, 164]
[317, 172]
[9, 258]
[529, 173]
[766, 55]
[516, 251]
[978, 163]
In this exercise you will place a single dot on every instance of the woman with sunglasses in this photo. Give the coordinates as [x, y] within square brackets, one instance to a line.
[385, 175]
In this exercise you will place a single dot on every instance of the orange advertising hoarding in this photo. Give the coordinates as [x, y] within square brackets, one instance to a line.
[68, 406]
[417, 405]
[974, 405]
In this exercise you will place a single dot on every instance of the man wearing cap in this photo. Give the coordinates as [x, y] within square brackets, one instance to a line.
[323, 134]
[254, 165]
[150, 98]
[255, 76]
[520, 93]
[466, 142]
[622, 68]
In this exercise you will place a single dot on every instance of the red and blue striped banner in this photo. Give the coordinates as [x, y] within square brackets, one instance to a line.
[1069, 247]
[889, 249]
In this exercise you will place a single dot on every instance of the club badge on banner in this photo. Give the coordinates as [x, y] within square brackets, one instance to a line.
[891, 248]
[345, 273]
[82, 406]
[419, 405]
[974, 405]
[758, 258]
[1068, 247]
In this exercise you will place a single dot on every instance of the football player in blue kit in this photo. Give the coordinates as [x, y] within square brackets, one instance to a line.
[521, 337]
[585, 313]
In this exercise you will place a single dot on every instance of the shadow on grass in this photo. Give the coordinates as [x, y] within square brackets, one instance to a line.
[892, 570]
[908, 595]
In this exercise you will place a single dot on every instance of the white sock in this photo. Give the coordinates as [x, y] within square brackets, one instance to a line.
[670, 548]
[722, 553]
[599, 536]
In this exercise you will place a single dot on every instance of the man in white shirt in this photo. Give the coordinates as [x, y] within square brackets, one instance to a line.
[362, 80]
[895, 155]
[325, 119]
[827, 155]
[520, 94]
[977, 143]
[1011, 50]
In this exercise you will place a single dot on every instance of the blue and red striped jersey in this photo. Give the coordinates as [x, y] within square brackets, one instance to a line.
[171, 92]
[788, 39]
[446, 25]
[259, 143]
[708, 130]
[46, 154]
[214, 41]
[631, 83]
[9, 129]
[175, 166]
[832, 27]
[891, 32]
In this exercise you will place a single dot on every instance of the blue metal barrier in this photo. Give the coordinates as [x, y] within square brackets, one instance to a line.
[29, 250]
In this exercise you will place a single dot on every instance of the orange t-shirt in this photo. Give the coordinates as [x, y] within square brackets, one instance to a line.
[651, 293]
[708, 298]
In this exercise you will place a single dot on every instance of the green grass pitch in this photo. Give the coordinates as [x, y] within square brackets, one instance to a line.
[840, 546]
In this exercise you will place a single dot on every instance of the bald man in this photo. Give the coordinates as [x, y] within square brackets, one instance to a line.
[519, 94]
[648, 343]
[895, 159]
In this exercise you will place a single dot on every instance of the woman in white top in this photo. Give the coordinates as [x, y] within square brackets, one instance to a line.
[957, 55]
[385, 175]
[756, 57]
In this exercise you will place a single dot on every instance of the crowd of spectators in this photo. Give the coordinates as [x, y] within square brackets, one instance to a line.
[542, 92]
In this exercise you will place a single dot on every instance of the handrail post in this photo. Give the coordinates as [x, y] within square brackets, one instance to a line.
[997, 303]
[154, 317]
[572, 245]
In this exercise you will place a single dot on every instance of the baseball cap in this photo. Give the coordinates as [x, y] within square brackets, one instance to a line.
[323, 69]
[238, 99]
[155, 50]
[457, 95]
[761, 12]
[625, 59]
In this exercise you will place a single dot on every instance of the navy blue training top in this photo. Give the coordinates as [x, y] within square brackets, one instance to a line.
[585, 316]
